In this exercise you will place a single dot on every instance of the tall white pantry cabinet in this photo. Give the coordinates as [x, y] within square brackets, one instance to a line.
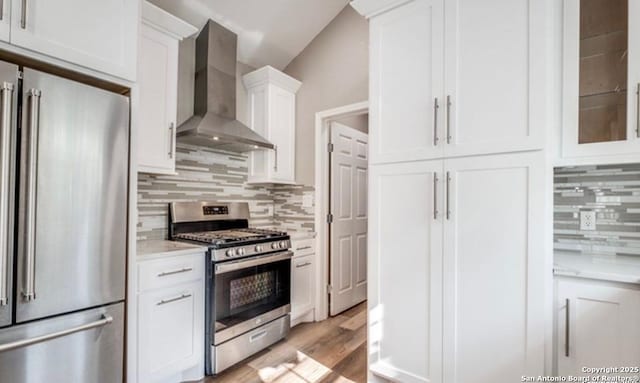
[457, 190]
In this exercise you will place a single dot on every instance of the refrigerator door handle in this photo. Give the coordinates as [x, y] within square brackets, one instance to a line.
[105, 320]
[33, 124]
[6, 103]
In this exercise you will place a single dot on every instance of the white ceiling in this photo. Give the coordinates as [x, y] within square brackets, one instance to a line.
[270, 32]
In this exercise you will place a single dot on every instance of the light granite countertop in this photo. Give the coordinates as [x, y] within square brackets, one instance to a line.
[161, 248]
[300, 235]
[615, 268]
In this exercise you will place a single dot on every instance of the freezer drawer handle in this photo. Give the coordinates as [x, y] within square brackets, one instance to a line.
[33, 125]
[105, 320]
[166, 273]
[165, 301]
[6, 103]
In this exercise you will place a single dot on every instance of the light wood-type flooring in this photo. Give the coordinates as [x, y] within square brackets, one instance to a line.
[331, 351]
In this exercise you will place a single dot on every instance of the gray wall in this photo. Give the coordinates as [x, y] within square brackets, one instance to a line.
[359, 122]
[334, 70]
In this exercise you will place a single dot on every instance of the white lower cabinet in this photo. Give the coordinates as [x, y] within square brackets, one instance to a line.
[171, 320]
[302, 288]
[598, 325]
[457, 269]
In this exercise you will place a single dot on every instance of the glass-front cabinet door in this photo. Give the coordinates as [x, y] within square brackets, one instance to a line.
[601, 61]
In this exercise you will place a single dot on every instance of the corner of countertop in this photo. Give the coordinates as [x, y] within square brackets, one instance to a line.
[157, 248]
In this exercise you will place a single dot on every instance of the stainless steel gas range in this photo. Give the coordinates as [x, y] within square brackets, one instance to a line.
[248, 279]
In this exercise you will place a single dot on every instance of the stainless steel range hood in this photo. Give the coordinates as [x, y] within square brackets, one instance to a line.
[214, 122]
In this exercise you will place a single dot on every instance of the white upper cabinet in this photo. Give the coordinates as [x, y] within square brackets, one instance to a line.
[97, 34]
[495, 80]
[456, 77]
[601, 78]
[407, 106]
[598, 325]
[272, 114]
[160, 34]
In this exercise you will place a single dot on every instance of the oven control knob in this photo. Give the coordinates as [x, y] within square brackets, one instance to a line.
[238, 251]
[230, 253]
[274, 245]
[283, 244]
[258, 249]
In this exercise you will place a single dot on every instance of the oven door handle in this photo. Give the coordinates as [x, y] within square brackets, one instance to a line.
[225, 267]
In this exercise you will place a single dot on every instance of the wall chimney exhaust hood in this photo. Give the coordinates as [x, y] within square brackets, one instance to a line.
[214, 121]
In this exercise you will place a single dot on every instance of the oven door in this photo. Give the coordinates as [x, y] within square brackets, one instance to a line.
[249, 293]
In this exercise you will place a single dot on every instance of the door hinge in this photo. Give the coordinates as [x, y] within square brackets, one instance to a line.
[20, 75]
[329, 289]
[329, 218]
[330, 147]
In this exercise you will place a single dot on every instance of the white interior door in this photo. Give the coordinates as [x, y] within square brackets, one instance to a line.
[348, 231]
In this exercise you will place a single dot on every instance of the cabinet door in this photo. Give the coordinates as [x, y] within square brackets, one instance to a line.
[603, 326]
[601, 77]
[170, 330]
[302, 282]
[158, 82]
[97, 34]
[282, 134]
[406, 82]
[405, 271]
[494, 276]
[5, 19]
[494, 76]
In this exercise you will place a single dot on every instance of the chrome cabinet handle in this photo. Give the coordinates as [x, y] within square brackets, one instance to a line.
[173, 272]
[1, 9]
[275, 159]
[435, 121]
[435, 196]
[566, 329]
[448, 119]
[23, 15]
[165, 301]
[300, 265]
[6, 99]
[638, 110]
[171, 134]
[33, 125]
[448, 195]
[303, 248]
[105, 320]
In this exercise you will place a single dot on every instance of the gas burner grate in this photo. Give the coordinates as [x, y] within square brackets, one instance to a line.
[229, 236]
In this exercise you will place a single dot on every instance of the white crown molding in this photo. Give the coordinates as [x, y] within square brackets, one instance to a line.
[270, 75]
[165, 22]
[371, 8]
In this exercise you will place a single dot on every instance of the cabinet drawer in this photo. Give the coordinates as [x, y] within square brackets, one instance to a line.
[159, 273]
[303, 247]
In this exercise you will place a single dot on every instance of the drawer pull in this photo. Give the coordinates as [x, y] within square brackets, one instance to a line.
[181, 297]
[303, 248]
[184, 270]
[257, 336]
[303, 264]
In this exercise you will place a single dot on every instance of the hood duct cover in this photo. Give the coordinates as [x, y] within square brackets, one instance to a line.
[214, 121]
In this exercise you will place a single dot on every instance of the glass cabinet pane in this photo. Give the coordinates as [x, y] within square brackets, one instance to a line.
[603, 70]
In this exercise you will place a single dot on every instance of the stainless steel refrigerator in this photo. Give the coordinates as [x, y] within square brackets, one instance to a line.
[64, 155]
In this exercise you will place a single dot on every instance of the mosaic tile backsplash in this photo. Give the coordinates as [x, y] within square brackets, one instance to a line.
[613, 192]
[208, 174]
